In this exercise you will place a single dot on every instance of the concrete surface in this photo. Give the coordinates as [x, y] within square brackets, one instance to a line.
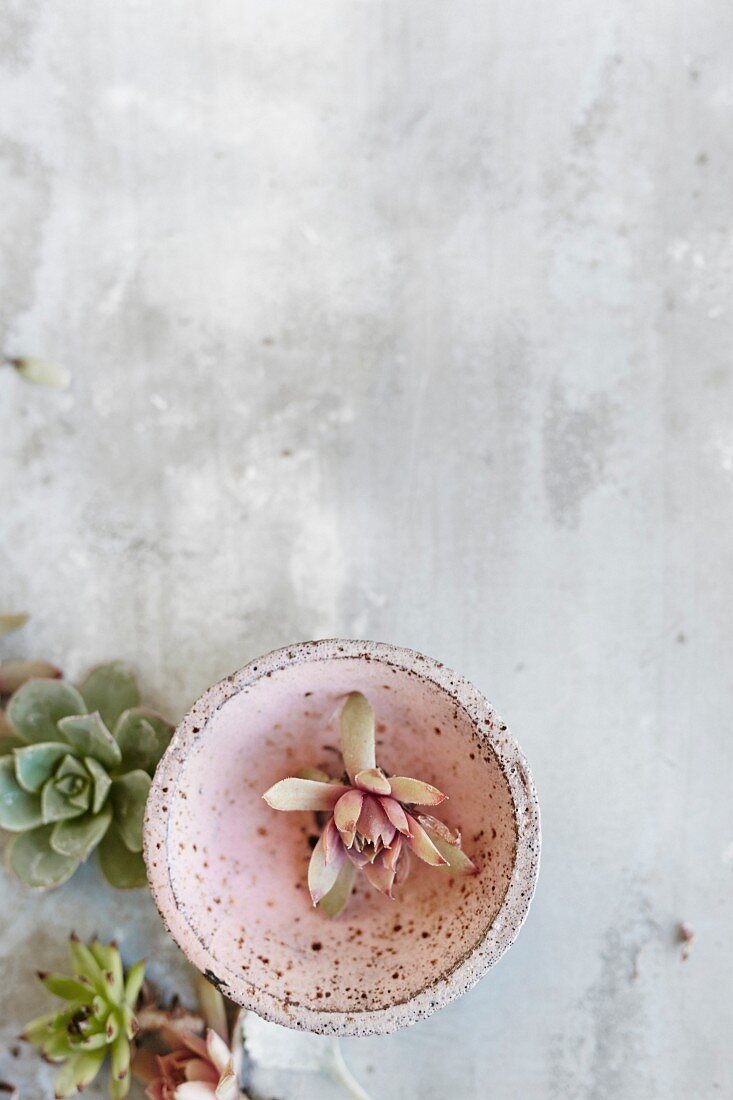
[410, 322]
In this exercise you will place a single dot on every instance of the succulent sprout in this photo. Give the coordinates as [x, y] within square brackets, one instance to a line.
[10, 622]
[75, 775]
[41, 372]
[374, 822]
[192, 1066]
[97, 1019]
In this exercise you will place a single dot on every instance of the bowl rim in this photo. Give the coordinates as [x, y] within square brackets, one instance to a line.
[497, 938]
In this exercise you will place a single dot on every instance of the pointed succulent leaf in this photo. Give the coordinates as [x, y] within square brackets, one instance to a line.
[422, 845]
[322, 875]
[35, 763]
[335, 900]
[456, 859]
[396, 814]
[35, 862]
[77, 1073]
[303, 794]
[357, 735]
[120, 1060]
[80, 836]
[86, 966]
[110, 963]
[58, 804]
[128, 796]
[101, 782]
[373, 780]
[19, 810]
[111, 689]
[134, 981]
[346, 814]
[415, 792]
[381, 877]
[143, 737]
[373, 823]
[121, 867]
[38, 1030]
[313, 773]
[13, 674]
[9, 622]
[332, 842]
[88, 734]
[36, 709]
[69, 989]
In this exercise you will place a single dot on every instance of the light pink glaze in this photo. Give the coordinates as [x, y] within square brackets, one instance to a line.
[229, 874]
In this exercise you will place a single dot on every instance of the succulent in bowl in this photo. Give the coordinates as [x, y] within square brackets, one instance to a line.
[75, 776]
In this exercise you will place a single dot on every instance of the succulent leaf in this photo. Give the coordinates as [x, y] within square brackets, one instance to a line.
[34, 763]
[100, 780]
[357, 735]
[95, 1021]
[121, 867]
[373, 780]
[110, 689]
[346, 814]
[456, 859]
[128, 797]
[303, 794]
[13, 674]
[61, 799]
[35, 862]
[335, 900]
[212, 1007]
[19, 810]
[79, 837]
[415, 792]
[322, 875]
[143, 737]
[396, 814]
[422, 845]
[88, 734]
[37, 707]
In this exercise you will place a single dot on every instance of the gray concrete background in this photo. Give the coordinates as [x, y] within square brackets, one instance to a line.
[408, 321]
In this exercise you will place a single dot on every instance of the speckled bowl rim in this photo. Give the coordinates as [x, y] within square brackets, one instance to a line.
[498, 937]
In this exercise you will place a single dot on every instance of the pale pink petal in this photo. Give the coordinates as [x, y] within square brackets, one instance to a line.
[381, 877]
[414, 791]
[373, 780]
[303, 794]
[218, 1050]
[346, 814]
[423, 846]
[322, 875]
[373, 823]
[195, 1090]
[198, 1070]
[396, 814]
[456, 859]
[357, 735]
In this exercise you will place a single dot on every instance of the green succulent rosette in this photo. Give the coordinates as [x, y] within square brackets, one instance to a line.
[76, 774]
[96, 1020]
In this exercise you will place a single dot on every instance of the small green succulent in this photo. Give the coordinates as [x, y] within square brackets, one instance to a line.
[68, 785]
[98, 1018]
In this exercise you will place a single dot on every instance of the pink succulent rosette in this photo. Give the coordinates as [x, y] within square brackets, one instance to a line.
[196, 1069]
[375, 820]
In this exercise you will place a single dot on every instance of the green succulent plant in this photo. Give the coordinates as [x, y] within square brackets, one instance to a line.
[75, 776]
[97, 1019]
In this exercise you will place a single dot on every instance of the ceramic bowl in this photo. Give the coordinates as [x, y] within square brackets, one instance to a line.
[228, 873]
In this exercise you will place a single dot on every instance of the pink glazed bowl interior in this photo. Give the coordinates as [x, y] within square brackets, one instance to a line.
[229, 874]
